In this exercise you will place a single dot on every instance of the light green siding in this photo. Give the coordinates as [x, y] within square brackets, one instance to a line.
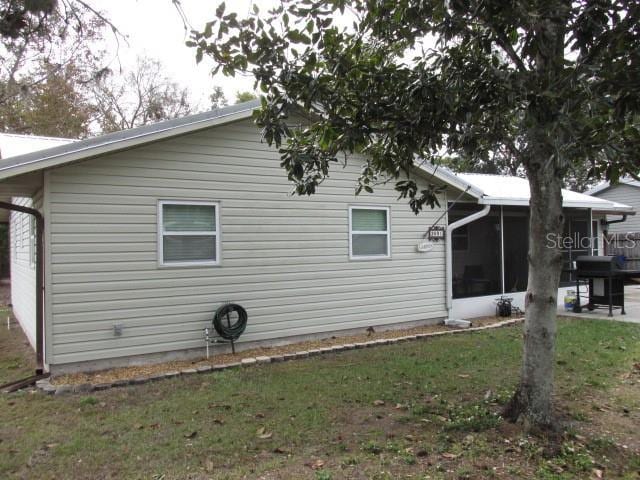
[629, 195]
[284, 258]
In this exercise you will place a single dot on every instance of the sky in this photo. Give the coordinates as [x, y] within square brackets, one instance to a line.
[154, 29]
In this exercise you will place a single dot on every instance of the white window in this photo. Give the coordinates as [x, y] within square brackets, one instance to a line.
[369, 236]
[188, 233]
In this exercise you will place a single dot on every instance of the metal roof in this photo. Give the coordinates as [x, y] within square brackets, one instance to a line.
[121, 140]
[111, 142]
[507, 190]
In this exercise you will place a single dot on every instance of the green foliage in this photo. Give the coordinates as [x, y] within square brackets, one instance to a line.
[472, 418]
[55, 106]
[47, 53]
[506, 85]
[245, 96]
[323, 475]
[573, 461]
[19, 17]
[372, 447]
[217, 98]
[88, 401]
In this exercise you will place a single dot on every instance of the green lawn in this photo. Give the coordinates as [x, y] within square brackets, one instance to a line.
[17, 359]
[323, 418]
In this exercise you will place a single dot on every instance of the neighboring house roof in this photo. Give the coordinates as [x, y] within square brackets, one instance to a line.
[605, 185]
[12, 144]
[123, 139]
[506, 190]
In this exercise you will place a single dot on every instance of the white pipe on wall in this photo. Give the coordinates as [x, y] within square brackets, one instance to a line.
[449, 256]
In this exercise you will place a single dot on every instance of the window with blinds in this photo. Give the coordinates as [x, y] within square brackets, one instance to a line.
[369, 233]
[188, 233]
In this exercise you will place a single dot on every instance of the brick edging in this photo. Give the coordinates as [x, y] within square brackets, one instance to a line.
[45, 386]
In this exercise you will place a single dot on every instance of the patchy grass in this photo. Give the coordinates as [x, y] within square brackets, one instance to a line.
[416, 410]
[17, 359]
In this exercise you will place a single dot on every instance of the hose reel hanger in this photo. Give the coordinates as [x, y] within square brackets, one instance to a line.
[229, 322]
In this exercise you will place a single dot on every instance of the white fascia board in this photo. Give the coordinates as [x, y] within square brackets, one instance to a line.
[451, 179]
[596, 207]
[119, 144]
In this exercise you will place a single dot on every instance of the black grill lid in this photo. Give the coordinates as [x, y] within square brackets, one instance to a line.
[599, 261]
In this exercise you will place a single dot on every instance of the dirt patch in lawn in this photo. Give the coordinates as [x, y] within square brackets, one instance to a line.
[615, 416]
[127, 373]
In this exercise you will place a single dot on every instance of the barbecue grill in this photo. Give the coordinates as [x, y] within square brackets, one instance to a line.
[606, 276]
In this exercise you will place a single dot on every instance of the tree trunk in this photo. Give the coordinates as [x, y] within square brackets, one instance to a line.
[533, 398]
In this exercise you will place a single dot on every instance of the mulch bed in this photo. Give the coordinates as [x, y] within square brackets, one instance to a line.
[132, 372]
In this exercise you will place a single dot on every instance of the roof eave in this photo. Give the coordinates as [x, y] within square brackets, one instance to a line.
[55, 159]
[451, 179]
[524, 202]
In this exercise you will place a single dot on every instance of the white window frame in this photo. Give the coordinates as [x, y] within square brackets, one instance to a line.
[162, 233]
[369, 232]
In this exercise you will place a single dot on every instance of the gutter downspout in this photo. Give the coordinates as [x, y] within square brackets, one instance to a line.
[605, 230]
[39, 279]
[449, 256]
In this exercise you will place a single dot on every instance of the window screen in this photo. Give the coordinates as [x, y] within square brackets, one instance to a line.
[189, 233]
[369, 232]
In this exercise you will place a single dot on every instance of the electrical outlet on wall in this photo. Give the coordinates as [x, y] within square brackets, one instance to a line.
[117, 329]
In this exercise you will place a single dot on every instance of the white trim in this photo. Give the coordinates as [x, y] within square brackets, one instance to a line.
[474, 307]
[444, 175]
[369, 232]
[449, 251]
[161, 233]
[598, 206]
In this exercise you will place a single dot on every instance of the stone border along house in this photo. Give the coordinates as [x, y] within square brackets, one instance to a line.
[148, 231]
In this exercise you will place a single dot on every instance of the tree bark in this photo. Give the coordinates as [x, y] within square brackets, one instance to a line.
[533, 397]
[545, 168]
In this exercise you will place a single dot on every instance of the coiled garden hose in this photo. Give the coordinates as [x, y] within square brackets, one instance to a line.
[225, 326]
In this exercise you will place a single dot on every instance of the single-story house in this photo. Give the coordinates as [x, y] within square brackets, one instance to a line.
[146, 232]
